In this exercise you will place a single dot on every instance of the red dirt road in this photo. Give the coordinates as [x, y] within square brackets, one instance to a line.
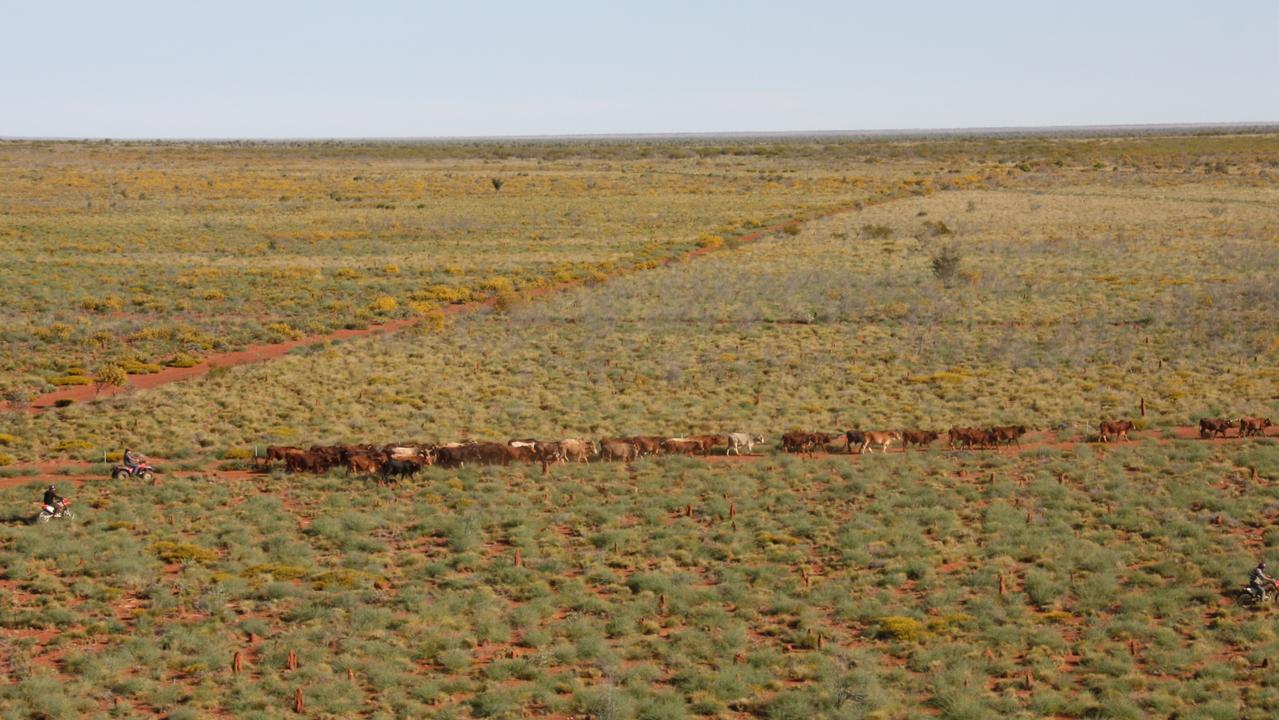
[55, 470]
[271, 351]
[255, 353]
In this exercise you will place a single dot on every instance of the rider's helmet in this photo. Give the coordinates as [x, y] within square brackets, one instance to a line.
[51, 487]
[1261, 564]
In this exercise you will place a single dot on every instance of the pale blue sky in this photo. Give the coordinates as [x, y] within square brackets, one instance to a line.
[397, 69]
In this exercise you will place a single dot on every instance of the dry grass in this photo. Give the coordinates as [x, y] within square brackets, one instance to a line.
[1071, 305]
[112, 253]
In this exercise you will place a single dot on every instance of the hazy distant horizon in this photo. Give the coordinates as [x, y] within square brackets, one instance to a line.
[319, 69]
[881, 133]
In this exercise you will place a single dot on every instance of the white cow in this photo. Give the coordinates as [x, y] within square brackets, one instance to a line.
[737, 441]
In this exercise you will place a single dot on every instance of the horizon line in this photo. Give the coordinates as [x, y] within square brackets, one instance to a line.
[883, 133]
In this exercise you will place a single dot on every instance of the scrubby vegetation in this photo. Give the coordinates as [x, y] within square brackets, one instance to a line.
[164, 252]
[1095, 277]
[1101, 301]
[1062, 582]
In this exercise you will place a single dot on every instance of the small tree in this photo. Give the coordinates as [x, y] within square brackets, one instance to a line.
[498, 183]
[109, 375]
[946, 264]
[18, 399]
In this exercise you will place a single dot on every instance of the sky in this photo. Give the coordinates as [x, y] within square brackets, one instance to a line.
[389, 68]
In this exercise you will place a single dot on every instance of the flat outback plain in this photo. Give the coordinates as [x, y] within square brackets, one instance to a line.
[362, 311]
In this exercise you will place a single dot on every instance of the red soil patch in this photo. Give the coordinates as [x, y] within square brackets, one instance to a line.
[251, 354]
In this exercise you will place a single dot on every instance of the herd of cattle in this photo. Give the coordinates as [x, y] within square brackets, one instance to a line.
[406, 459]
[1247, 427]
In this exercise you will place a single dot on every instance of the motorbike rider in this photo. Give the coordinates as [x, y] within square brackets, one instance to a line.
[131, 460]
[1259, 582]
[52, 499]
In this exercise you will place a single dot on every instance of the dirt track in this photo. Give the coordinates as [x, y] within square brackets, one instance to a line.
[271, 351]
[54, 470]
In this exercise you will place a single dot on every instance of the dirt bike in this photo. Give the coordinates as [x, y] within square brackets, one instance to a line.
[49, 512]
[1248, 596]
[142, 471]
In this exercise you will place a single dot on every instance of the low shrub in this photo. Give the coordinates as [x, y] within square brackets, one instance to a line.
[506, 300]
[936, 228]
[70, 380]
[174, 552]
[900, 627]
[281, 331]
[872, 231]
[134, 366]
[384, 304]
[945, 264]
[182, 360]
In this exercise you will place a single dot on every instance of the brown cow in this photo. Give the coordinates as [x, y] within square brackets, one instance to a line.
[882, 439]
[1008, 434]
[522, 453]
[328, 454]
[277, 452]
[923, 438]
[710, 442]
[618, 449]
[681, 446]
[549, 452]
[965, 437]
[1250, 426]
[363, 463]
[1117, 429]
[491, 453]
[805, 442]
[1212, 427]
[451, 455]
[476, 453]
[305, 461]
[647, 444]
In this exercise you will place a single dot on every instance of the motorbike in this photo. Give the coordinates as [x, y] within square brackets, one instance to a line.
[1248, 596]
[143, 471]
[49, 512]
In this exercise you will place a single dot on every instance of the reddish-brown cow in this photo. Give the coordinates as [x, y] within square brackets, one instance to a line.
[1117, 429]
